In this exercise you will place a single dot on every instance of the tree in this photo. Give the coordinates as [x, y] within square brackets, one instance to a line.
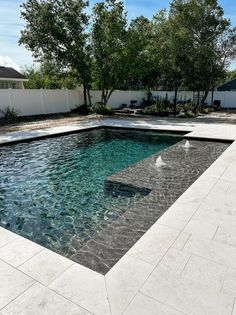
[56, 30]
[169, 52]
[48, 76]
[207, 41]
[109, 46]
[138, 52]
[230, 75]
[226, 46]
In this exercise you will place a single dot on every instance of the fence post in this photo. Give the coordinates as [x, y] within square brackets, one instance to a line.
[42, 101]
[67, 100]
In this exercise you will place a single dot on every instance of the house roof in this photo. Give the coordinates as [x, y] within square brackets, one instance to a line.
[226, 84]
[10, 73]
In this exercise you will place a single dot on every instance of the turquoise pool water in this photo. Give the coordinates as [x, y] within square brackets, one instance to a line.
[52, 190]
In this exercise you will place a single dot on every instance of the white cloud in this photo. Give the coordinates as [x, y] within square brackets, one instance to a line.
[6, 61]
[10, 26]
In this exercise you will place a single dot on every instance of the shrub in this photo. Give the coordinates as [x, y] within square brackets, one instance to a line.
[9, 114]
[181, 115]
[81, 110]
[161, 106]
[188, 107]
[205, 110]
[102, 110]
[150, 110]
[190, 114]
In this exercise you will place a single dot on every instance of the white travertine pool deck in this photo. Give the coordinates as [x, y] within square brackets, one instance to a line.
[184, 264]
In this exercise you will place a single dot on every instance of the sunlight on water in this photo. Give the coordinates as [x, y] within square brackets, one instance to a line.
[52, 191]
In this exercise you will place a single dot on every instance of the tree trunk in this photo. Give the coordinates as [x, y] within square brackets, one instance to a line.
[149, 96]
[102, 97]
[212, 96]
[105, 97]
[109, 95]
[175, 99]
[106, 94]
[85, 94]
[198, 98]
[204, 99]
[198, 103]
[88, 95]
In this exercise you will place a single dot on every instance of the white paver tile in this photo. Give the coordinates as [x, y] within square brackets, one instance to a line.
[195, 194]
[223, 203]
[201, 228]
[12, 283]
[13, 136]
[234, 310]
[175, 260]
[185, 295]
[226, 233]
[217, 168]
[18, 251]
[154, 244]
[229, 285]
[178, 215]
[217, 252]
[144, 305]
[221, 206]
[181, 240]
[205, 272]
[83, 287]
[45, 266]
[221, 199]
[216, 131]
[6, 236]
[124, 280]
[214, 212]
[192, 198]
[221, 187]
[232, 188]
[230, 173]
[39, 300]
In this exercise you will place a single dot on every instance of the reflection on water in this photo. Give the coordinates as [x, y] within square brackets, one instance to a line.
[51, 191]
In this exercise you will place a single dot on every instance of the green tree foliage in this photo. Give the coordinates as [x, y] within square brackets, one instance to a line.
[207, 42]
[56, 30]
[230, 75]
[140, 56]
[48, 76]
[191, 45]
[109, 51]
[169, 54]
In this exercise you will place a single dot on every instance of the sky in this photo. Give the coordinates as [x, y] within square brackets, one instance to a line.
[11, 54]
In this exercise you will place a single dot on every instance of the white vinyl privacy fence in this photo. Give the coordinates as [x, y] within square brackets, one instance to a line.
[38, 102]
[125, 97]
[227, 98]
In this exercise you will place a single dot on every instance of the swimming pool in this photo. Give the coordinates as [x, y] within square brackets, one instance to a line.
[52, 190]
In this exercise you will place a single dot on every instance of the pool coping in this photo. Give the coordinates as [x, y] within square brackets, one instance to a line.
[189, 131]
[130, 280]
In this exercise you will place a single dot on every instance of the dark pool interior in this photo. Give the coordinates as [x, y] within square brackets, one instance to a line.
[52, 190]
